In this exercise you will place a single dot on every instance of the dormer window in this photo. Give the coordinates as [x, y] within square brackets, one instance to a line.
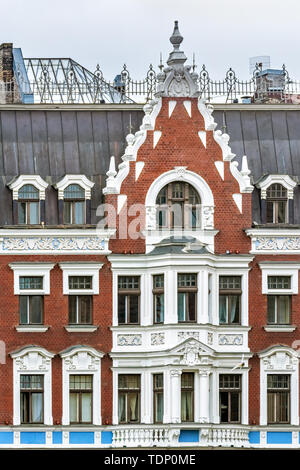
[74, 205]
[178, 207]
[277, 204]
[29, 192]
[74, 198]
[28, 205]
[277, 195]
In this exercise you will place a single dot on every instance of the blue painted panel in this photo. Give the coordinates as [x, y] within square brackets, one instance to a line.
[254, 437]
[187, 435]
[81, 438]
[57, 437]
[106, 437]
[6, 437]
[33, 438]
[279, 438]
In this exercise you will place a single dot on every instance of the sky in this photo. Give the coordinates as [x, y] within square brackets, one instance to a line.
[221, 33]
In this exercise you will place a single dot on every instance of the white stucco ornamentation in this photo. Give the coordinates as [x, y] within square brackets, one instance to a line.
[33, 360]
[157, 339]
[82, 360]
[229, 340]
[129, 340]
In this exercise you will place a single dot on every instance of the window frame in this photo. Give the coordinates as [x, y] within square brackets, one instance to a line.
[30, 392]
[278, 392]
[158, 291]
[187, 290]
[230, 391]
[158, 391]
[229, 292]
[190, 389]
[274, 201]
[126, 392]
[72, 204]
[77, 308]
[28, 201]
[80, 392]
[174, 201]
[29, 301]
[128, 293]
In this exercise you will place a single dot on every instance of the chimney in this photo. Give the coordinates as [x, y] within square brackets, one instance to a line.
[7, 83]
[6, 62]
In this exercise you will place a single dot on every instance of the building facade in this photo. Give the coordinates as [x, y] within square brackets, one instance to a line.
[150, 299]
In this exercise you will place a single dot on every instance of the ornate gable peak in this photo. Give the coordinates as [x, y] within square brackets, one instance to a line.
[193, 352]
[177, 79]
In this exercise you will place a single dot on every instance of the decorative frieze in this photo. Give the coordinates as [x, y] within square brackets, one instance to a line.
[157, 338]
[288, 243]
[53, 244]
[129, 340]
[230, 340]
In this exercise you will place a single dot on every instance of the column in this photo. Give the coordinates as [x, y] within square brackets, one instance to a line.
[175, 395]
[204, 395]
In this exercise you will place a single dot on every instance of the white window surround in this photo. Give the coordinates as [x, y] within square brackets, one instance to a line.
[32, 269]
[244, 295]
[244, 409]
[183, 175]
[82, 360]
[285, 180]
[32, 360]
[35, 180]
[280, 360]
[81, 180]
[81, 269]
[280, 269]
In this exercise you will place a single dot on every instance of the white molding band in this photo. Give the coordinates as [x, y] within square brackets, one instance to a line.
[279, 241]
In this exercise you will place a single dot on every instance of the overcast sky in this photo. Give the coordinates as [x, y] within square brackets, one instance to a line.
[222, 33]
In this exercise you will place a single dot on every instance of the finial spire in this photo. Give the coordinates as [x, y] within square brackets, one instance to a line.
[176, 57]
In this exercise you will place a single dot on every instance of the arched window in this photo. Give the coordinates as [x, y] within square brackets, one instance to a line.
[277, 204]
[178, 206]
[74, 205]
[28, 205]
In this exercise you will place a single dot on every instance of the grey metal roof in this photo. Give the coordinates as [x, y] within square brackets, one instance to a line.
[55, 140]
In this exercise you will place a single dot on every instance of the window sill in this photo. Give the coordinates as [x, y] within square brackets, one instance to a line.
[32, 328]
[81, 328]
[280, 328]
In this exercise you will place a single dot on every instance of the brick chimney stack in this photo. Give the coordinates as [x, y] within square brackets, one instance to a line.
[6, 62]
[6, 73]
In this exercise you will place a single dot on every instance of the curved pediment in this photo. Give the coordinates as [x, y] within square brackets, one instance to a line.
[192, 352]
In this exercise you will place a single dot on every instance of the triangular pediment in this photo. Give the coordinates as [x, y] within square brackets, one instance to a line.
[192, 352]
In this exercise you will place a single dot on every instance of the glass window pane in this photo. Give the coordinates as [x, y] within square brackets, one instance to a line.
[72, 309]
[84, 309]
[28, 191]
[86, 404]
[134, 309]
[186, 405]
[223, 313]
[191, 316]
[74, 191]
[159, 407]
[80, 282]
[23, 303]
[67, 212]
[74, 407]
[159, 308]
[234, 407]
[181, 306]
[122, 308]
[122, 407]
[35, 282]
[21, 213]
[234, 302]
[36, 309]
[283, 305]
[34, 213]
[37, 407]
[79, 212]
[224, 415]
[271, 309]
[133, 407]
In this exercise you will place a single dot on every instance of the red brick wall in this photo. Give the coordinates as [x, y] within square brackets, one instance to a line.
[259, 339]
[56, 339]
[180, 145]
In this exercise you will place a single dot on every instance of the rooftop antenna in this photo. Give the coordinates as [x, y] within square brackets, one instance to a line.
[161, 65]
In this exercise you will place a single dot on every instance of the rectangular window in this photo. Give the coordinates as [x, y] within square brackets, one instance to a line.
[80, 309]
[230, 398]
[279, 306]
[30, 282]
[32, 399]
[278, 399]
[74, 212]
[158, 396]
[158, 298]
[128, 299]
[129, 390]
[31, 309]
[187, 297]
[28, 213]
[80, 282]
[81, 399]
[187, 397]
[230, 293]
